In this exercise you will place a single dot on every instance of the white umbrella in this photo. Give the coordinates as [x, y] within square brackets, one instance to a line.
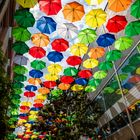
[20, 60]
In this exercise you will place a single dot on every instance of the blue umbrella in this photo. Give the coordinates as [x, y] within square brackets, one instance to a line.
[46, 25]
[31, 122]
[128, 86]
[35, 109]
[23, 115]
[36, 73]
[31, 88]
[105, 40]
[81, 81]
[55, 56]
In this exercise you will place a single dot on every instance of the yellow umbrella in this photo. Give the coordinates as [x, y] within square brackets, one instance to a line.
[34, 81]
[138, 71]
[118, 91]
[33, 112]
[51, 77]
[40, 96]
[90, 63]
[27, 125]
[27, 3]
[34, 136]
[95, 18]
[77, 87]
[26, 103]
[54, 68]
[79, 49]
[93, 2]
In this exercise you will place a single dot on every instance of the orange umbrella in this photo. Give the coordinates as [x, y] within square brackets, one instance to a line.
[96, 52]
[118, 5]
[43, 90]
[24, 111]
[39, 101]
[63, 86]
[73, 11]
[40, 40]
[34, 81]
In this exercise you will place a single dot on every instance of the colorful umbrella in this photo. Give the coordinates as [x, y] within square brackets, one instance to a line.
[40, 40]
[96, 18]
[20, 60]
[36, 73]
[81, 81]
[87, 36]
[90, 89]
[63, 86]
[54, 68]
[46, 25]
[106, 65]
[77, 87]
[108, 90]
[134, 79]
[51, 77]
[123, 43]
[105, 40]
[122, 76]
[119, 91]
[40, 96]
[49, 84]
[17, 91]
[94, 2]
[20, 78]
[94, 82]
[128, 68]
[35, 81]
[50, 7]
[27, 3]
[113, 55]
[38, 105]
[38, 64]
[43, 90]
[73, 11]
[37, 52]
[74, 60]
[70, 71]
[67, 79]
[20, 69]
[116, 23]
[118, 5]
[138, 71]
[26, 104]
[135, 59]
[55, 56]
[60, 45]
[135, 9]
[100, 74]
[96, 52]
[90, 63]
[31, 88]
[79, 49]
[38, 101]
[85, 74]
[29, 94]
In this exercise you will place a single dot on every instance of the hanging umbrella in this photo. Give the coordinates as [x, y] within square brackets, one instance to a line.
[20, 78]
[74, 60]
[108, 90]
[90, 89]
[31, 88]
[116, 23]
[96, 52]
[67, 30]
[135, 9]
[100, 74]
[50, 7]
[54, 68]
[26, 104]
[133, 28]
[25, 107]
[118, 5]
[77, 87]
[40, 96]
[38, 64]
[35, 81]
[17, 91]
[96, 18]
[55, 56]
[135, 59]
[21, 34]
[70, 71]
[20, 69]
[94, 82]
[46, 25]
[40, 40]
[94, 2]
[87, 36]
[128, 68]
[123, 43]
[67, 79]
[85, 74]
[128, 86]
[51, 77]
[113, 55]
[119, 91]
[122, 76]
[20, 60]
[43, 90]
[138, 71]
[81, 81]
[36, 73]
[40, 101]
[63, 86]
[29, 94]
[38, 105]
[114, 84]
[27, 3]
[49, 84]
[79, 49]
[106, 65]
[60, 45]
[73, 11]
[106, 40]
[37, 52]
[90, 63]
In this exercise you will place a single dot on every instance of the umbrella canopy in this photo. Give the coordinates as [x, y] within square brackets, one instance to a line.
[113, 55]
[128, 68]
[37, 52]
[118, 5]
[138, 71]
[38, 101]
[38, 105]
[20, 78]
[55, 56]
[20, 69]
[96, 18]
[29, 94]
[108, 90]
[123, 76]
[60, 45]
[51, 77]
[133, 28]
[94, 2]
[20, 60]
[38, 64]
[135, 59]
[40, 40]
[36, 73]
[43, 90]
[90, 89]
[35, 81]
[135, 9]
[90, 63]
[54, 68]
[70, 71]
[106, 40]
[96, 52]
[94, 82]
[49, 84]
[46, 25]
[50, 7]
[31, 88]
[63, 86]
[67, 79]
[81, 81]
[27, 3]
[21, 34]
[123, 43]
[116, 23]
[26, 104]
[87, 36]
[73, 11]
[79, 49]
[106, 65]
[134, 79]
[100, 75]
[85, 73]
[77, 87]
[24, 18]
[74, 60]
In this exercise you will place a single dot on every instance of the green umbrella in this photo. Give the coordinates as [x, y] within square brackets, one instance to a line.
[100, 74]
[14, 112]
[38, 64]
[87, 36]
[21, 34]
[20, 47]
[20, 69]
[114, 84]
[24, 18]
[20, 78]
[11, 136]
[113, 55]
[123, 76]
[135, 9]
[17, 91]
[56, 92]
[108, 90]
[90, 89]
[128, 68]
[70, 71]
[107, 65]
[18, 85]
[135, 59]
[94, 82]
[133, 28]
[15, 96]
[15, 101]
[123, 43]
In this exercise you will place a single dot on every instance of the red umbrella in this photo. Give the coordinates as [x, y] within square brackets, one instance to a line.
[85, 74]
[29, 94]
[38, 105]
[24, 117]
[67, 79]
[37, 52]
[116, 23]
[29, 132]
[74, 60]
[134, 79]
[50, 7]
[49, 84]
[60, 45]
[24, 107]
